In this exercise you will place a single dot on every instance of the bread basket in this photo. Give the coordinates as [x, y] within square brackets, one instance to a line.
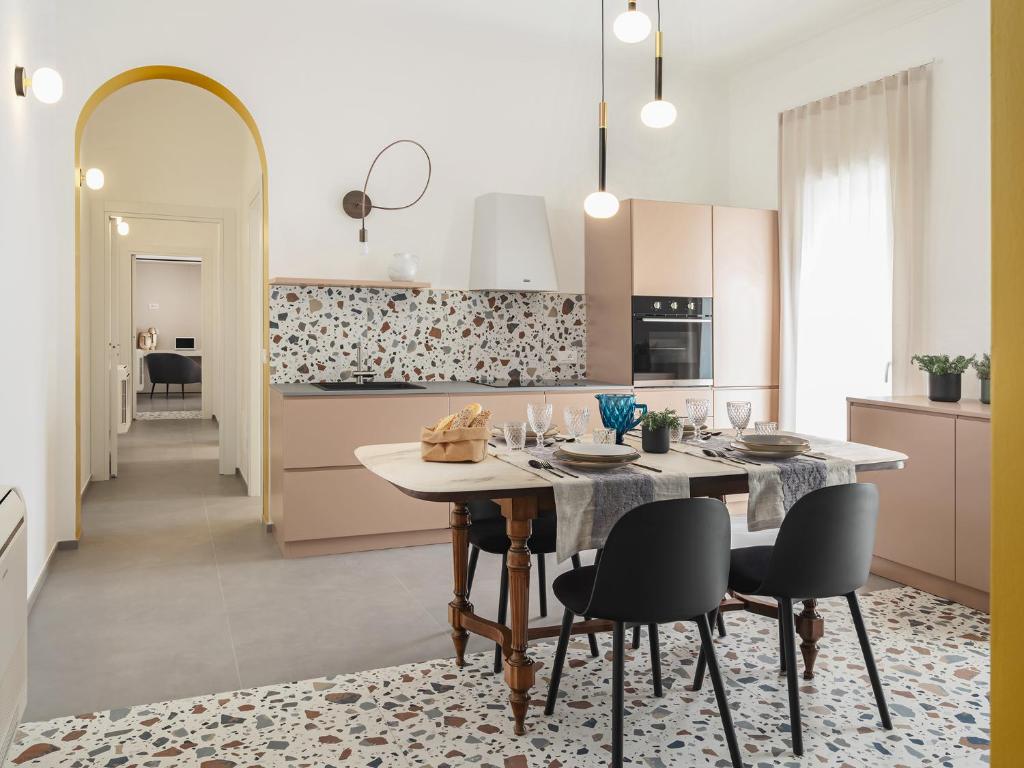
[460, 444]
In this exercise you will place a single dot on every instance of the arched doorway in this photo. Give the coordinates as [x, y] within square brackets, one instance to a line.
[190, 77]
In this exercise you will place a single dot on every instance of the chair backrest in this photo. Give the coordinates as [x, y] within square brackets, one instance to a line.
[664, 561]
[170, 368]
[483, 509]
[825, 543]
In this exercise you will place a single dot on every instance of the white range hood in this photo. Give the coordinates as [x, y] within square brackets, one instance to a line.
[511, 244]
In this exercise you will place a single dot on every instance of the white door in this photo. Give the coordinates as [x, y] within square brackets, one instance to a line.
[253, 342]
[113, 350]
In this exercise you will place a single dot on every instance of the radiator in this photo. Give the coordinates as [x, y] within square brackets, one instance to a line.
[124, 399]
[13, 616]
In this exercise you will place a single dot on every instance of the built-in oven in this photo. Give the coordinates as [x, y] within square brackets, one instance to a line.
[671, 341]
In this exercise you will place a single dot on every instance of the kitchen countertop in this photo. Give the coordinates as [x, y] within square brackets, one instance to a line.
[444, 388]
[974, 409]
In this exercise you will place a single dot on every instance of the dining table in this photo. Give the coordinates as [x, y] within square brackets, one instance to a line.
[521, 495]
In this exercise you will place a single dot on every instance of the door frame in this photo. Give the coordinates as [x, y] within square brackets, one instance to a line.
[190, 77]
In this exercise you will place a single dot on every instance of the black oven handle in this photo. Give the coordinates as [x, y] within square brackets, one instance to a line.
[675, 319]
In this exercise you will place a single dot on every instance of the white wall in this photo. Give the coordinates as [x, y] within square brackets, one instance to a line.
[36, 405]
[956, 307]
[164, 297]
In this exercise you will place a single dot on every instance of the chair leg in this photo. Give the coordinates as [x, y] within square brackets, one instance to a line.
[542, 586]
[782, 642]
[716, 680]
[167, 391]
[576, 563]
[152, 390]
[636, 637]
[720, 621]
[652, 636]
[556, 669]
[502, 609]
[702, 662]
[789, 640]
[869, 660]
[474, 555]
[182, 391]
[618, 666]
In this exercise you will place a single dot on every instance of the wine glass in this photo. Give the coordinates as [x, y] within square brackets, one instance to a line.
[739, 414]
[697, 409]
[576, 421]
[539, 416]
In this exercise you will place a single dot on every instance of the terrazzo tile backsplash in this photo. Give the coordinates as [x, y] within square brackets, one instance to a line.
[423, 335]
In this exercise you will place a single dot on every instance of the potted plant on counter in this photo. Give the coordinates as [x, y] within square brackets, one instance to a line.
[656, 429]
[944, 375]
[983, 368]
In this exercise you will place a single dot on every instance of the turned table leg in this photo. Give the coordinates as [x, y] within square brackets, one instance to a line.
[811, 627]
[519, 514]
[459, 523]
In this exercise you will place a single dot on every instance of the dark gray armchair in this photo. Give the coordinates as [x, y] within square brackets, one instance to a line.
[168, 368]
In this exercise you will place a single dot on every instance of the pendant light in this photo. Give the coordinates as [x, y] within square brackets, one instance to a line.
[658, 113]
[632, 26]
[601, 204]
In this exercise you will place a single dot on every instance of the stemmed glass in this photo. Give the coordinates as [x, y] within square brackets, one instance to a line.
[539, 416]
[739, 414]
[697, 409]
[576, 421]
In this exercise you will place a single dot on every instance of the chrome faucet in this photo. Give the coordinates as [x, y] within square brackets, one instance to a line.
[359, 374]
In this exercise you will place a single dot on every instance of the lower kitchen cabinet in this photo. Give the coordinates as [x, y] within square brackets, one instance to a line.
[933, 526]
[657, 399]
[560, 401]
[764, 404]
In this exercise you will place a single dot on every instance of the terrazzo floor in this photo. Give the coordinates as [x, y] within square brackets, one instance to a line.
[933, 657]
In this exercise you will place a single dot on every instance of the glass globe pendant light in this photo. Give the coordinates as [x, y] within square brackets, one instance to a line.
[601, 204]
[658, 113]
[632, 26]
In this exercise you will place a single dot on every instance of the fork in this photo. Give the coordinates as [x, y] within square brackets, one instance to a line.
[547, 466]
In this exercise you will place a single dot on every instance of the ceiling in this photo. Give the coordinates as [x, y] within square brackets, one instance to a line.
[727, 33]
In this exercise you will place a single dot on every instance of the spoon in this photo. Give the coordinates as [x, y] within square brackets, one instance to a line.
[708, 452]
[539, 465]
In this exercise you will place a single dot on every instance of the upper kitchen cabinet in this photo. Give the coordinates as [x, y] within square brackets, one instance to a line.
[746, 297]
[671, 249]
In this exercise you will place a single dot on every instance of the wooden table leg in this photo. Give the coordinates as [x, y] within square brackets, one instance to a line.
[811, 627]
[459, 523]
[519, 514]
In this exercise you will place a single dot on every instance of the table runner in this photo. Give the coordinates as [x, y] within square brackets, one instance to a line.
[587, 507]
[775, 485]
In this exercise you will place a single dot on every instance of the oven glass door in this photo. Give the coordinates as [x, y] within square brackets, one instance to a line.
[670, 350]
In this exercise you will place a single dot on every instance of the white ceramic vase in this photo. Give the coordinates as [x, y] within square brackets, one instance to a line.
[403, 267]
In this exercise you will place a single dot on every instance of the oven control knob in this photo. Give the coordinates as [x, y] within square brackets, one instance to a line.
[691, 306]
[657, 305]
[674, 305]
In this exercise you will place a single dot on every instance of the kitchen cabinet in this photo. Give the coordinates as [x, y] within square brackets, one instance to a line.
[973, 502]
[503, 407]
[658, 399]
[671, 249]
[933, 525]
[560, 401]
[746, 297]
[764, 404]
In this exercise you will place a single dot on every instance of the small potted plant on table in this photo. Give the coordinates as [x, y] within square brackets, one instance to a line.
[983, 368]
[656, 430]
[944, 374]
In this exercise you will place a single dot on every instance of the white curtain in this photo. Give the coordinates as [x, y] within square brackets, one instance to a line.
[853, 181]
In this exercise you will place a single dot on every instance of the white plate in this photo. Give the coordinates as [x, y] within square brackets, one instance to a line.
[780, 453]
[562, 458]
[775, 441]
[597, 450]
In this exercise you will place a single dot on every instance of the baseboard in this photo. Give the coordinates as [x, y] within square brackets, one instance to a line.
[345, 544]
[63, 546]
[935, 585]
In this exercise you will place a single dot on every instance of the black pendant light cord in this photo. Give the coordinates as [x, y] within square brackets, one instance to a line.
[602, 130]
[657, 58]
[602, 50]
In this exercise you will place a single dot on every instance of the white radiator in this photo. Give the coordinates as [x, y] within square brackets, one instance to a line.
[13, 616]
[124, 399]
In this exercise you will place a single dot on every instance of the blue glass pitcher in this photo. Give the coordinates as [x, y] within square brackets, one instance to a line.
[618, 413]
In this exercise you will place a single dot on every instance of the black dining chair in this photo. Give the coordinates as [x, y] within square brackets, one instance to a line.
[666, 561]
[488, 533]
[168, 368]
[823, 550]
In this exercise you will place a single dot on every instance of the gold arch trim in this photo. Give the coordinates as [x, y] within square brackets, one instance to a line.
[191, 77]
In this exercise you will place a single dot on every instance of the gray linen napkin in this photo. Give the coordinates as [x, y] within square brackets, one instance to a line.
[588, 506]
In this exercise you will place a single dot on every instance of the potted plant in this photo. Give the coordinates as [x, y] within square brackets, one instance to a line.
[656, 429]
[983, 368]
[944, 374]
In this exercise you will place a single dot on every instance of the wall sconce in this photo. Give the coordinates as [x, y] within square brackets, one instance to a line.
[357, 205]
[122, 226]
[45, 83]
[93, 178]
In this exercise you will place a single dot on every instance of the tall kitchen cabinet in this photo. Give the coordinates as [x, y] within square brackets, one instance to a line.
[655, 248]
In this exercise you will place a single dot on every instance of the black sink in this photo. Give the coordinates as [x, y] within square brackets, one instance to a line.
[355, 386]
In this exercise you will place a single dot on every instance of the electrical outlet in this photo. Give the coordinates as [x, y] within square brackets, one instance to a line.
[566, 356]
